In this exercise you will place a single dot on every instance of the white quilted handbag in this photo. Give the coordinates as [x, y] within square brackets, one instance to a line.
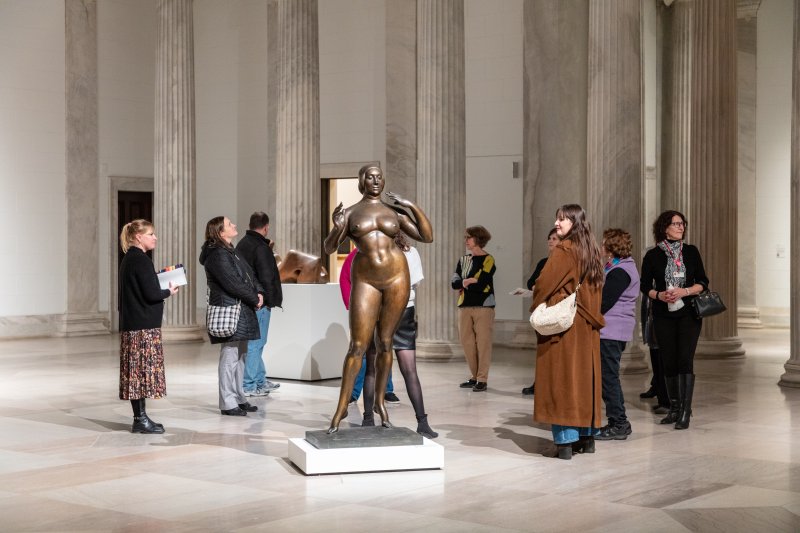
[556, 318]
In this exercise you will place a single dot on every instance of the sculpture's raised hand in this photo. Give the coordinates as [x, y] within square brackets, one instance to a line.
[338, 216]
[399, 200]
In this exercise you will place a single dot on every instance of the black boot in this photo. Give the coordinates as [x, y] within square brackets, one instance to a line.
[687, 390]
[583, 445]
[143, 411]
[369, 420]
[424, 429]
[564, 451]
[142, 424]
[674, 400]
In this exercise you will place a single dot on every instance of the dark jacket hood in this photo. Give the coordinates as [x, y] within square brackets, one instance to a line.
[207, 249]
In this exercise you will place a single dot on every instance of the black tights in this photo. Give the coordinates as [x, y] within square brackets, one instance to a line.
[677, 341]
[407, 361]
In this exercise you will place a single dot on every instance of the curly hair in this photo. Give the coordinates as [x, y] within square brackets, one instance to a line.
[480, 234]
[617, 242]
[662, 223]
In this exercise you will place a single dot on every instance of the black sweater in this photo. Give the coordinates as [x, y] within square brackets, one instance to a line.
[141, 299]
[653, 267]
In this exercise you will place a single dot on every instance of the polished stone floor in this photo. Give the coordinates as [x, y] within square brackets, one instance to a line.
[69, 463]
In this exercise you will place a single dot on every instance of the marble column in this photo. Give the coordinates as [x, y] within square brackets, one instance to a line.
[746, 43]
[82, 194]
[441, 168]
[791, 378]
[555, 81]
[614, 129]
[174, 208]
[676, 118]
[298, 223]
[401, 97]
[713, 189]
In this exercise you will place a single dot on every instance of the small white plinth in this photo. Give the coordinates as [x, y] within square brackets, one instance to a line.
[311, 460]
[308, 338]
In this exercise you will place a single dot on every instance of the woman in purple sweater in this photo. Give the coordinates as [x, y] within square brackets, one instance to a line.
[620, 291]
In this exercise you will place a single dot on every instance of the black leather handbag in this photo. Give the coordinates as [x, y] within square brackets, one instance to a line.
[708, 303]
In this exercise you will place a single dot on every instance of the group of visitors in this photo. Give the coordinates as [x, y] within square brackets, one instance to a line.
[574, 368]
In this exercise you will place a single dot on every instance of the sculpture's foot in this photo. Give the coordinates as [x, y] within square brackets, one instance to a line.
[332, 430]
[387, 424]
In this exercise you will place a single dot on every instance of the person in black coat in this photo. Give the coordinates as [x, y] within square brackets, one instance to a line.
[256, 249]
[231, 281]
[141, 306]
[552, 241]
[672, 276]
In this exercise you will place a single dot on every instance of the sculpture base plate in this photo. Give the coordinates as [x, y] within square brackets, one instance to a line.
[311, 460]
[364, 437]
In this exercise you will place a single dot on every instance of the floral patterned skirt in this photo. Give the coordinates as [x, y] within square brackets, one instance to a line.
[141, 365]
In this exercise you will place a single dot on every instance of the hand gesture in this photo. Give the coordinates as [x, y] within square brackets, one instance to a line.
[338, 216]
[172, 289]
[399, 200]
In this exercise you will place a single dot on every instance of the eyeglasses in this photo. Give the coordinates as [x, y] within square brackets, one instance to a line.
[678, 224]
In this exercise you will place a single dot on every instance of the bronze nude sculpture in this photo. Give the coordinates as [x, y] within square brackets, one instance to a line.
[380, 279]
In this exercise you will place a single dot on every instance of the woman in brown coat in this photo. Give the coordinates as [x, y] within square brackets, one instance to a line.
[568, 376]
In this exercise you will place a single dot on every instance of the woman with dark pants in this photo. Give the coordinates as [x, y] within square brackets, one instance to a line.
[141, 306]
[672, 276]
[620, 292]
[231, 280]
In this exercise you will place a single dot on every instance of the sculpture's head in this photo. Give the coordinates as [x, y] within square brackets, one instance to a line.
[370, 180]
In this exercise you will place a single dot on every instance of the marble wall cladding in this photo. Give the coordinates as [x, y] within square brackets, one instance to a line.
[714, 162]
[175, 171]
[614, 125]
[401, 96]
[441, 166]
[746, 171]
[555, 80]
[298, 128]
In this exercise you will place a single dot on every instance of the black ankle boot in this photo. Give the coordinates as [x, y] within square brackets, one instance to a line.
[687, 391]
[583, 445]
[564, 451]
[674, 401]
[368, 421]
[424, 429]
[143, 410]
[142, 424]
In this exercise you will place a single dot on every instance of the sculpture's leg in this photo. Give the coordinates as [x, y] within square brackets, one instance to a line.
[395, 298]
[383, 365]
[350, 369]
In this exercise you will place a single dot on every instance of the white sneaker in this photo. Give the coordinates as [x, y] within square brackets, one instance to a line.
[258, 392]
[270, 386]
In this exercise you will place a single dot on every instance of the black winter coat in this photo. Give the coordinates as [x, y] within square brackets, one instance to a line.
[141, 299]
[230, 279]
[254, 248]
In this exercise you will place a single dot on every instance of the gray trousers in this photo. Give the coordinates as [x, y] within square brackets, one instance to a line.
[232, 356]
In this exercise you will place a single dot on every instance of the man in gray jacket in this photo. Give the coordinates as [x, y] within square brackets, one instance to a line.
[256, 249]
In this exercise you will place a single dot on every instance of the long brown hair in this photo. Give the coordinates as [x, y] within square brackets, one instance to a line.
[590, 263]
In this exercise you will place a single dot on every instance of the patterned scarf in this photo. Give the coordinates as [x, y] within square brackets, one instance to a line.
[675, 264]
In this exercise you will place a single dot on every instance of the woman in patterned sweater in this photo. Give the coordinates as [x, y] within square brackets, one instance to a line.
[474, 281]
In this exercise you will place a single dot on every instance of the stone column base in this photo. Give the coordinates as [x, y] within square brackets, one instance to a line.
[514, 334]
[81, 325]
[729, 347]
[749, 316]
[791, 378]
[183, 334]
[439, 352]
[633, 360]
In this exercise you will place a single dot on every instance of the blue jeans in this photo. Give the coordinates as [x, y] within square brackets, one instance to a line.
[568, 434]
[610, 354]
[359, 384]
[255, 373]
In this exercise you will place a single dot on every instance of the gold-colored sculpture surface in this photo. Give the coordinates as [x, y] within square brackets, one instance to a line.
[379, 277]
[300, 267]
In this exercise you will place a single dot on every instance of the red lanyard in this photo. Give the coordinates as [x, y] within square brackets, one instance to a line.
[676, 260]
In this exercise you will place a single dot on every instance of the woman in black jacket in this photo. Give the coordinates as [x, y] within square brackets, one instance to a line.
[141, 305]
[672, 276]
[230, 281]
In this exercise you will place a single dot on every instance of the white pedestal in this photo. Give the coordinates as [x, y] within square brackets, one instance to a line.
[308, 338]
[379, 459]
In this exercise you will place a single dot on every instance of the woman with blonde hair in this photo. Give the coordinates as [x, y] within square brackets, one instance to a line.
[568, 385]
[141, 306]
